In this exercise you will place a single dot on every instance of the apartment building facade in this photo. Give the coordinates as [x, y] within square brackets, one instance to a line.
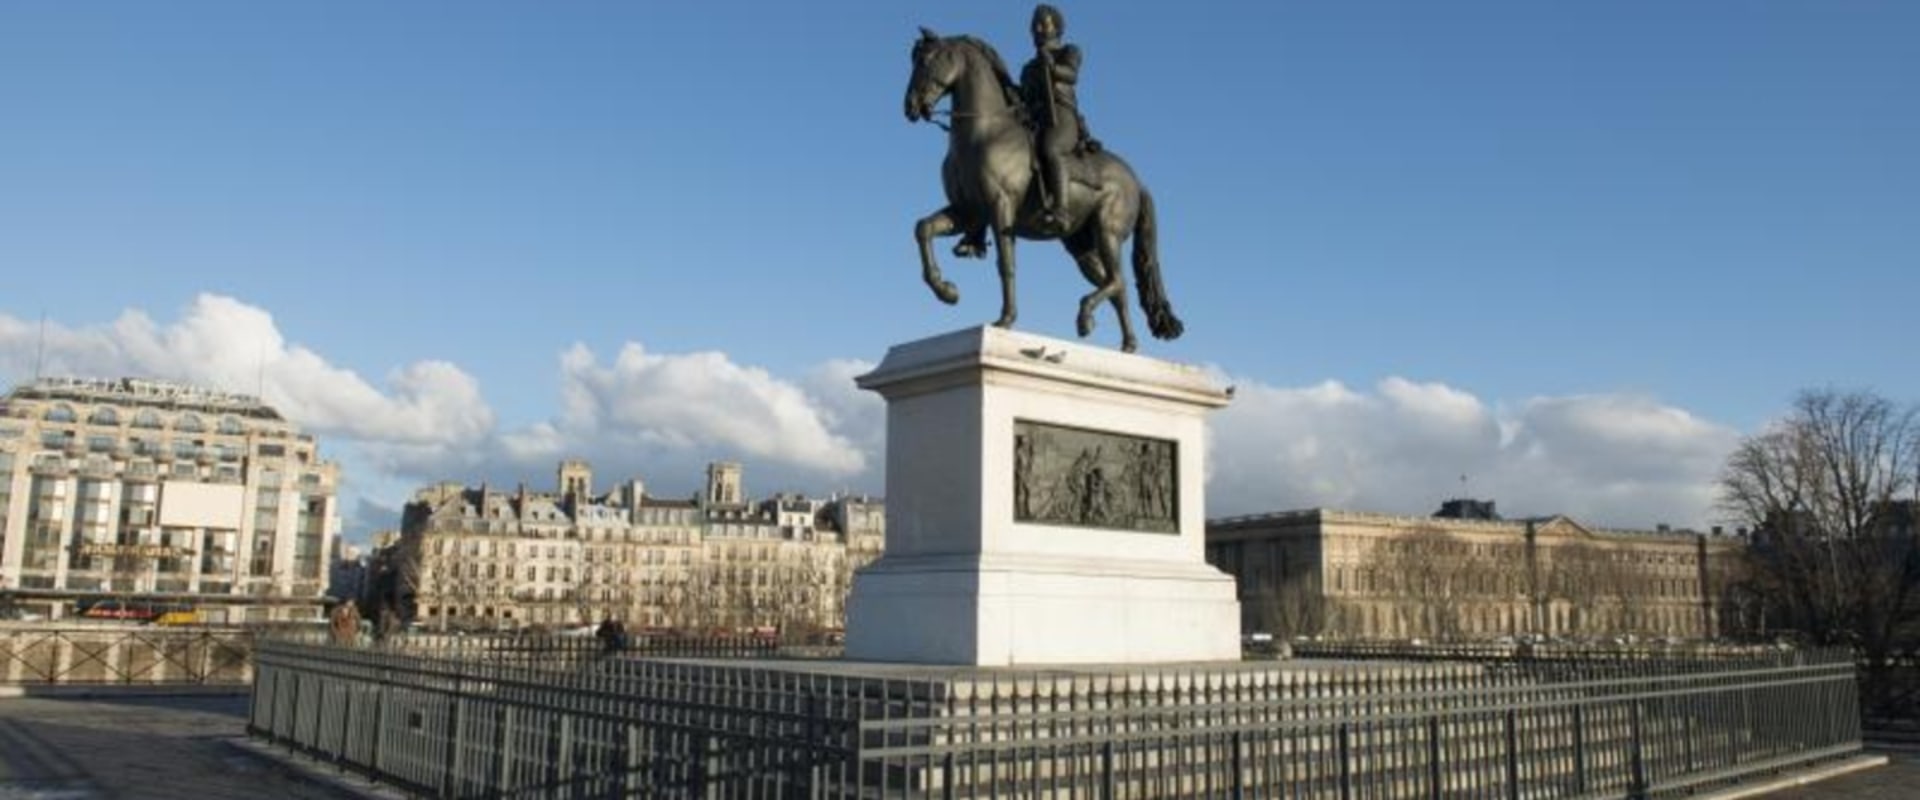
[1466, 574]
[478, 558]
[117, 488]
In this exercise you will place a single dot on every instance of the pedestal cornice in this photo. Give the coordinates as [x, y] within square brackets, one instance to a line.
[975, 354]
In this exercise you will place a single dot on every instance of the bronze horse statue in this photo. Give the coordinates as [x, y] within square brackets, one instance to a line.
[991, 184]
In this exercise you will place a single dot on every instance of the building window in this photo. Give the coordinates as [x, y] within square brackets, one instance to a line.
[190, 423]
[59, 413]
[103, 416]
[146, 419]
[231, 426]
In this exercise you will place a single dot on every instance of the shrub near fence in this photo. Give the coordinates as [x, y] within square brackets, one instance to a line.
[510, 718]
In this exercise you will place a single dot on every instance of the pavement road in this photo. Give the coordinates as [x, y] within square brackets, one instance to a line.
[136, 748]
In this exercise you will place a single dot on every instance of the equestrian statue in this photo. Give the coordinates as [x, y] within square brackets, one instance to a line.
[1020, 164]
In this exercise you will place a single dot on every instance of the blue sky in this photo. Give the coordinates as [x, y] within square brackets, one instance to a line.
[1425, 238]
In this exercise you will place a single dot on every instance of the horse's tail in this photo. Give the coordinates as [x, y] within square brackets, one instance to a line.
[1146, 273]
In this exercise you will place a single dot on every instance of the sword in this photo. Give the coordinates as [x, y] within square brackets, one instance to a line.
[1046, 68]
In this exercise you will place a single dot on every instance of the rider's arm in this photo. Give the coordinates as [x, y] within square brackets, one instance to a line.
[1066, 64]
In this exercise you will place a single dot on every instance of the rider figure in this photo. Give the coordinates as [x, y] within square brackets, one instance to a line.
[1046, 83]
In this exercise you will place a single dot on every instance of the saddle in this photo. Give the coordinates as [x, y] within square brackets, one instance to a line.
[1081, 168]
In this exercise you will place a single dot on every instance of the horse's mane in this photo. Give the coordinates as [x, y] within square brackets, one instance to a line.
[999, 67]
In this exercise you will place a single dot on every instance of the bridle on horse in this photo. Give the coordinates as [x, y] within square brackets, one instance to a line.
[1014, 108]
[943, 112]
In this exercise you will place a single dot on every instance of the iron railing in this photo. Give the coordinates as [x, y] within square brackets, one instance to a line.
[1526, 651]
[96, 655]
[499, 718]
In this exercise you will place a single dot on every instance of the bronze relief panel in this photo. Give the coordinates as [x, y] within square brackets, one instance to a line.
[1094, 479]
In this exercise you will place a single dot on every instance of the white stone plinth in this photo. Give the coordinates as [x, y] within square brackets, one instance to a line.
[963, 583]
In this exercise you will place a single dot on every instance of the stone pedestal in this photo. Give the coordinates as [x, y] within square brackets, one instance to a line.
[1045, 505]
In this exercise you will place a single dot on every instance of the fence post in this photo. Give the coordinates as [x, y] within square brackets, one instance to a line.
[271, 678]
[450, 782]
[1637, 789]
[379, 720]
[346, 724]
[293, 708]
[1686, 731]
[1436, 776]
[1239, 767]
[253, 705]
[503, 778]
[1346, 760]
[1513, 753]
[1107, 789]
[1579, 749]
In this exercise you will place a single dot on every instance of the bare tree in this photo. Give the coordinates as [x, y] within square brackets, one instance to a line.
[1428, 568]
[1292, 606]
[1602, 592]
[1831, 493]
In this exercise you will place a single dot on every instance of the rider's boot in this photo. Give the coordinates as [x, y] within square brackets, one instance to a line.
[973, 244]
[1053, 173]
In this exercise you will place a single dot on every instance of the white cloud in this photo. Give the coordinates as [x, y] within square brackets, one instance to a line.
[676, 412]
[1401, 447]
[223, 343]
[1607, 460]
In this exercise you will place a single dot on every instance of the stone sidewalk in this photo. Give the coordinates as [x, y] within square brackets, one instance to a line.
[138, 747]
[1898, 780]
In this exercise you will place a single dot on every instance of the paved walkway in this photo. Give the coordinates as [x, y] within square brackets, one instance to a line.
[136, 748]
[1898, 780]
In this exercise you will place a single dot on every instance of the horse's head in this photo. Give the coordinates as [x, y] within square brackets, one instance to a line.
[937, 65]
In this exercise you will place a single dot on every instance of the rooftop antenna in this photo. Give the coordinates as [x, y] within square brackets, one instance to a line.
[1464, 493]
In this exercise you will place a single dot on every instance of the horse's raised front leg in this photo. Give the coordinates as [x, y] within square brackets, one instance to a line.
[939, 223]
[1003, 252]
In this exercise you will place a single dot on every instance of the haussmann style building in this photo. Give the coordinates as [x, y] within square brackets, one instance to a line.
[1464, 573]
[144, 491]
[482, 558]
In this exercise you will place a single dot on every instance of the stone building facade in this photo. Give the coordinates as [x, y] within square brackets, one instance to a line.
[112, 488]
[477, 558]
[1466, 574]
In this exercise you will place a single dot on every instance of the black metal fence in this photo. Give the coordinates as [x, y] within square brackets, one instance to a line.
[501, 718]
[113, 654]
[1525, 651]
